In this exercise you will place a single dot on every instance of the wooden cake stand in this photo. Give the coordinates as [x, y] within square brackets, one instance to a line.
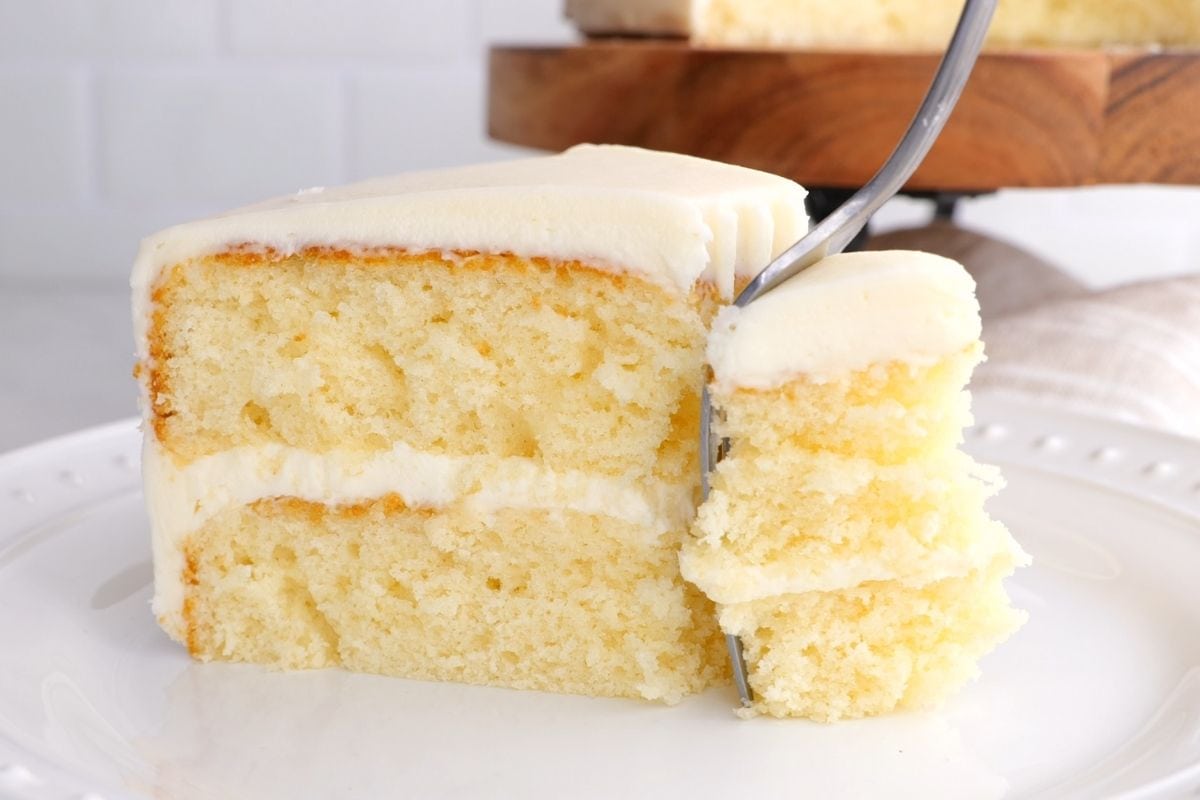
[829, 119]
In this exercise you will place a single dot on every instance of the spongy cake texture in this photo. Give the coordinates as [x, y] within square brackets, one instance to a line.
[557, 601]
[499, 360]
[845, 538]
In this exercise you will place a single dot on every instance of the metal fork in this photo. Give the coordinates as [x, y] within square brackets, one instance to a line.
[837, 230]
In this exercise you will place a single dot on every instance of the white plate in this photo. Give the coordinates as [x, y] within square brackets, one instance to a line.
[1099, 695]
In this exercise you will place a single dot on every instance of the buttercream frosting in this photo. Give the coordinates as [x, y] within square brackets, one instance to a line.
[843, 314]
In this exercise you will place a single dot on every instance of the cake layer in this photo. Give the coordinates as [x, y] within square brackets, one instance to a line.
[183, 498]
[556, 600]
[574, 368]
[672, 219]
[889, 24]
[890, 412]
[871, 649]
[843, 314]
[795, 521]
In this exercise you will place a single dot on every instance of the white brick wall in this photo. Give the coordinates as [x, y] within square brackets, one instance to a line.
[214, 134]
[43, 150]
[396, 31]
[118, 117]
[82, 30]
[418, 118]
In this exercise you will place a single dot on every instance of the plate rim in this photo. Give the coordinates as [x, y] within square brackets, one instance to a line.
[88, 434]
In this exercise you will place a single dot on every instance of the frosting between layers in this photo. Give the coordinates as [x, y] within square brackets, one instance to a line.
[181, 499]
[725, 580]
[672, 219]
[843, 314]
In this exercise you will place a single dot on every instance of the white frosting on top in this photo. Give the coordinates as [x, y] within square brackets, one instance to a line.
[180, 499]
[843, 314]
[673, 219]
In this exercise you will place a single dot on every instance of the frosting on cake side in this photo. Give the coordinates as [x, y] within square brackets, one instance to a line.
[857, 309]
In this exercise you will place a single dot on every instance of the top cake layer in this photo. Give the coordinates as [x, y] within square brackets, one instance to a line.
[843, 314]
[672, 219]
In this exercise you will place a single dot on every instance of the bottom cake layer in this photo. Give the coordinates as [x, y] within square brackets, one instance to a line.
[555, 601]
[873, 648]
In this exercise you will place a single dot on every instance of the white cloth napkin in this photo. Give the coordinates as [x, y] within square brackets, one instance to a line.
[1130, 353]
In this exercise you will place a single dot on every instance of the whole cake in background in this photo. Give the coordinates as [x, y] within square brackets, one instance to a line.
[445, 426]
[844, 538]
[925, 24]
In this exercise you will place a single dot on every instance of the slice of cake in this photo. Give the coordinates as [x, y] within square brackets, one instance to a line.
[445, 425]
[844, 539]
[925, 24]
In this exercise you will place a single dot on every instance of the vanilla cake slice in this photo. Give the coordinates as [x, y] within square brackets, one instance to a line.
[444, 425]
[845, 538]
